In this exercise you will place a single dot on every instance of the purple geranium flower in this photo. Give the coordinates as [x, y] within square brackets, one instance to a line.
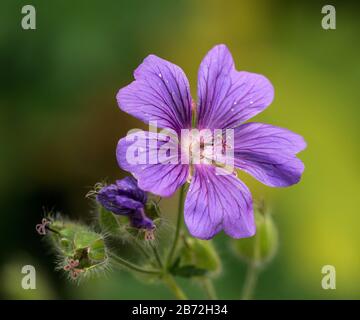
[125, 198]
[226, 99]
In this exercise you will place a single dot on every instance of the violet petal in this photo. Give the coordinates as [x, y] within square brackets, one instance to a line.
[160, 93]
[215, 202]
[228, 97]
[159, 178]
[268, 153]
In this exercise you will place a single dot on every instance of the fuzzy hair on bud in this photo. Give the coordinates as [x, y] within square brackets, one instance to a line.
[80, 250]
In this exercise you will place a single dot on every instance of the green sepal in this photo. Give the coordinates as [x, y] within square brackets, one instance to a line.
[152, 209]
[97, 250]
[197, 258]
[260, 248]
[205, 255]
[108, 221]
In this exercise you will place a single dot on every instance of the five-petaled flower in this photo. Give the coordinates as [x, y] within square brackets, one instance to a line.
[126, 198]
[226, 99]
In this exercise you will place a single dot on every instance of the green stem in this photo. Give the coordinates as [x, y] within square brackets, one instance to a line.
[251, 273]
[209, 288]
[124, 263]
[174, 287]
[157, 255]
[178, 226]
[140, 247]
[250, 282]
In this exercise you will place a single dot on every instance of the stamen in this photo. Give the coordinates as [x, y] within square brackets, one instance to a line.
[75, 273]
[193, 113]
[150, 234]
[190, 175]
[71, 267]
[42, 227]
[193, 106]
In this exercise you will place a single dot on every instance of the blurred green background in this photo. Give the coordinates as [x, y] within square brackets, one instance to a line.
[59, 126]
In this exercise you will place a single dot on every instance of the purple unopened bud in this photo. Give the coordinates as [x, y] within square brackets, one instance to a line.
[139, 220]
[126, 198]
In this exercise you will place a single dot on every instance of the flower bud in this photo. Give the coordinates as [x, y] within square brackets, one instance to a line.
[260, 248]
[125, 198]
[200, 255]
[81, 250]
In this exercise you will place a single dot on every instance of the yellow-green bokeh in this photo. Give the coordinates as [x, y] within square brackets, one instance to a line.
[59, 125]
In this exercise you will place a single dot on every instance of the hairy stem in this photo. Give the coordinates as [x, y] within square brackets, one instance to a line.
[250, 281]
[251, 273]
[178, 226]
[174, 287]
[157, 255]
[124, 263]
[140, 247]
[209, 288]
